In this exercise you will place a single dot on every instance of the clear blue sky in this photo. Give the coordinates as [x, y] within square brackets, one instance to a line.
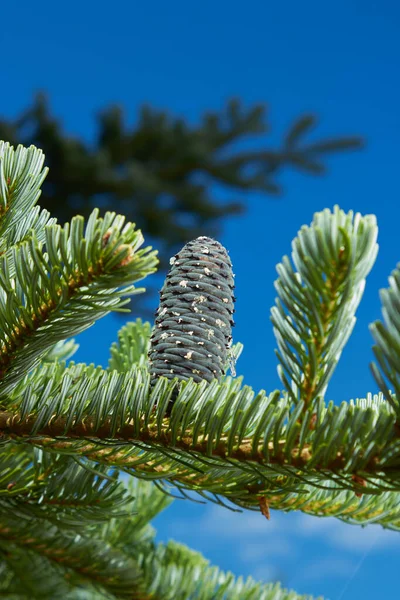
[340, 59]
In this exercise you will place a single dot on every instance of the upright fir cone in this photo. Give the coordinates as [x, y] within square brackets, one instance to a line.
[193, 326]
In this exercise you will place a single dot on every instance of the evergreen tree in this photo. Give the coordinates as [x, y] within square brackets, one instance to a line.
[70, 527]
[163, 173]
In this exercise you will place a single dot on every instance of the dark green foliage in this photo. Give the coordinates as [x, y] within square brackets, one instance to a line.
[73, 531]
[194, 319]
[161, 173]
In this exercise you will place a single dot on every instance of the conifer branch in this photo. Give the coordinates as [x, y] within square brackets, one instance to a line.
[174, 567]
[21, 178]
[91, 559]
[140, 568]
[387, 338]
[217, 436]
[64, 289]
[66, 431]
[318, 297]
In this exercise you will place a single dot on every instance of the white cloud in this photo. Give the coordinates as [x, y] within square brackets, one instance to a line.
[262, 572]
[255, 536]
[251, 550]
[327, 567]
[345, 536]
[293, 547]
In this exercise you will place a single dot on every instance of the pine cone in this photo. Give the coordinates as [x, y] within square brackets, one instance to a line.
[193, 327]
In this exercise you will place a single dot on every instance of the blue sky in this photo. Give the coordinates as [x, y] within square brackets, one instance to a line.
[338, 59]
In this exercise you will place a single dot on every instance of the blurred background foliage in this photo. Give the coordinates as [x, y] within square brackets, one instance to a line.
[165, 174]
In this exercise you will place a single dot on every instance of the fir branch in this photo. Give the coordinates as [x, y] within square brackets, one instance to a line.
[28, 575]
[220, 440]
[58, 488]
[132, 346]
[164, 571]
[61, 351]
[63, 290]
[174, 572]
[134, 528]
[387, 343]
[90, 558]
[318, 297]
[21, 177]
